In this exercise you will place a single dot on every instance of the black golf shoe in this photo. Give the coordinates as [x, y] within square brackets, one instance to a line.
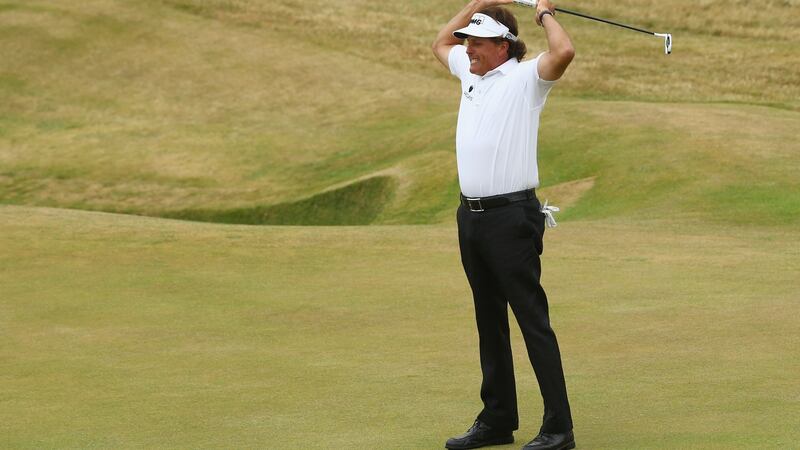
[546, 441]
[479, 435]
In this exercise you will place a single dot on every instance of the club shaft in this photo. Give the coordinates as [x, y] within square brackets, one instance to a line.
[575, 13]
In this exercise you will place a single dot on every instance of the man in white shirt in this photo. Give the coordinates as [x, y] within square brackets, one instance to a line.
[500, 223]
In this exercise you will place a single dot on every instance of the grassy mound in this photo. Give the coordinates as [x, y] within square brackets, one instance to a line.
[224, 107]
[354, 204]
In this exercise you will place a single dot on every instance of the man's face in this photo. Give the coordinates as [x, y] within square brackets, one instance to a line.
[485, 54]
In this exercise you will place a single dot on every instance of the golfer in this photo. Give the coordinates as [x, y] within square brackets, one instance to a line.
[500, 222]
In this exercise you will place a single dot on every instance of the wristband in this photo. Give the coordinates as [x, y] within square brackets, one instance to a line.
[544, 13]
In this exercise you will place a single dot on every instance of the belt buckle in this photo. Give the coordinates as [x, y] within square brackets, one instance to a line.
[470, 200]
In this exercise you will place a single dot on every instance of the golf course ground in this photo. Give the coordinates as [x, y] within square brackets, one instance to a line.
[138, 332]
[231, 224]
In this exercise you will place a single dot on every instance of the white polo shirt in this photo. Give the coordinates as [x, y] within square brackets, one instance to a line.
[498, 125]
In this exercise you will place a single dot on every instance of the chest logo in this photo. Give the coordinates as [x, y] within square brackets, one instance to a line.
[468, 92]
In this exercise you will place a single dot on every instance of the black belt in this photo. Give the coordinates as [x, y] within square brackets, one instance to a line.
[479, 204]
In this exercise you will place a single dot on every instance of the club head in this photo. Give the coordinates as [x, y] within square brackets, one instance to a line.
[667, 42]
[526, 3]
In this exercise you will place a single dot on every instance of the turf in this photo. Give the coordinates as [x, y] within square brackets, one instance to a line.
[672, 276]
[134, 332]
[222, 109]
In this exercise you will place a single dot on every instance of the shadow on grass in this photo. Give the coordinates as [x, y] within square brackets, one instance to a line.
[358, 203]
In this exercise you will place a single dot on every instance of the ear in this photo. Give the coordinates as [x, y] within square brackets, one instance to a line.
[504, 47]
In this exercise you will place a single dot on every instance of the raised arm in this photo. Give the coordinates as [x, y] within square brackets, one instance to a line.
[445, 40]
[560, 50]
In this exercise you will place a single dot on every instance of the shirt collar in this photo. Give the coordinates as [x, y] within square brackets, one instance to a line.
[504, 68]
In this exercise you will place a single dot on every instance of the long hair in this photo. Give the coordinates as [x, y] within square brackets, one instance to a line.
[515, 49]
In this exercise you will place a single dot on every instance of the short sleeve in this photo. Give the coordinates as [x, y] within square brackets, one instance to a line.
[537, 88]
[458, 61]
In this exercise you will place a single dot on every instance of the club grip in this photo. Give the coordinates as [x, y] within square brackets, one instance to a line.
[526, 3]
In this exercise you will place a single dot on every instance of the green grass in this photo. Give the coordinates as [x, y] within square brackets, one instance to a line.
[672, 275]
[355, 204]
[134, 332]
[162, 107]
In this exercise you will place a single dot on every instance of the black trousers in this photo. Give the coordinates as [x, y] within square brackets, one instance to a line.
[500, 251]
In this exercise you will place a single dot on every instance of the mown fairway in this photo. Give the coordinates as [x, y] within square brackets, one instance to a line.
[132, 332]
[673, 276]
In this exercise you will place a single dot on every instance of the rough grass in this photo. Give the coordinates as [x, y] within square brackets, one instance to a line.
[355, 204]
[132, 332]
[163, 107]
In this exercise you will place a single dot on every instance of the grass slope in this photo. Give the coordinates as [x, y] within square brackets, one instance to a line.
[675, 309]
[130, 332]
[164, 107]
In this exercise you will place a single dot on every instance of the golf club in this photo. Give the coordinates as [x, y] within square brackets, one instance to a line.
[667, 37]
